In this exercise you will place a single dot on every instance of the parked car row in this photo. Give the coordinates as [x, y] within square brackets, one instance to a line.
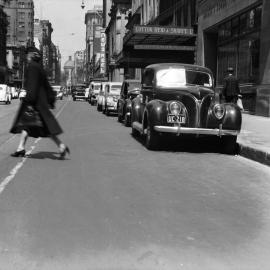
[174, 99]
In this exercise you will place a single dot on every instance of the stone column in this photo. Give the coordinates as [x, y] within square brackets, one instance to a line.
[263, 91]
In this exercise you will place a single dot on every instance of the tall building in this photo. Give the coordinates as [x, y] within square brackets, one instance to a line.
[3, 32]
[20, 34]
[236, 34]
[79, 57]
[69, 74]
[158, 31]
[21, 22]
[93, 22]
[115, 32]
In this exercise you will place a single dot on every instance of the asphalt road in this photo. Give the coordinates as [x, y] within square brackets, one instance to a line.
[115, 205]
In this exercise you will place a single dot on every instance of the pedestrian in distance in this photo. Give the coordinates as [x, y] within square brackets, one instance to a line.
[230, 90]
[39, 99]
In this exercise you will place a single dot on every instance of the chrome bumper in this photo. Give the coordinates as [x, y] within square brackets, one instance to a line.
[199, 131]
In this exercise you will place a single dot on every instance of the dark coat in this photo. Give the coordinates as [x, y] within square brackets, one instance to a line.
[230, 87]
[40, 95]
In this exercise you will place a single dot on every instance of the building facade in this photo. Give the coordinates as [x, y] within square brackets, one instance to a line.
[159, 31]
[79, 57]
[236, 34]
[69, 74]
[20, 34]
[3, 33]
[115, 32]
[93, 23]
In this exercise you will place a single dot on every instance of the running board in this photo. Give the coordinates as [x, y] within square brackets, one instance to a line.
[138, 126]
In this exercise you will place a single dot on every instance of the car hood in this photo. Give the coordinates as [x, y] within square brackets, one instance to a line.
[197, 91]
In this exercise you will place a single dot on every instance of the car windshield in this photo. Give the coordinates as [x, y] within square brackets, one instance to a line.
[115, 89]
[134, 85]
[56, 88]
[180, 77]
[96, 87]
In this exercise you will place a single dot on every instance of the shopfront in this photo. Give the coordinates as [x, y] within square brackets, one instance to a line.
[232, 33]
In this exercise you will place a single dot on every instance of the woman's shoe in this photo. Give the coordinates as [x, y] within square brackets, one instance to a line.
[20, 153]
[64, 152]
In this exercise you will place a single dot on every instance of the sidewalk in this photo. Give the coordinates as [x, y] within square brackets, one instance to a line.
[254, 138]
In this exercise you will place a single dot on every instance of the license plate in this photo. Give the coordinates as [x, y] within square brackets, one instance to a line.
[181, 119]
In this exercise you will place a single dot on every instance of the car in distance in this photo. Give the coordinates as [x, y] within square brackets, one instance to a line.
[111, 96]
[93, 92]
[180, 99]
[129, 90]
[5, 93]
[59, 94]
[78, 92]
[22, 94]
[101, 97]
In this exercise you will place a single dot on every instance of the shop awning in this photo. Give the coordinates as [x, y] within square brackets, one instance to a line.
[148, 44]
[159, 35]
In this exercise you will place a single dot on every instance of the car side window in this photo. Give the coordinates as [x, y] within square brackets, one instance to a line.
[126, 89]
[148, 77]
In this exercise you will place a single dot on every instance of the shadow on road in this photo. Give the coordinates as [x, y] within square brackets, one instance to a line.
[187, 144]
[45, 155]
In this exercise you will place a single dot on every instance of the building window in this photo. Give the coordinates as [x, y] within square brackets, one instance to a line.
[239, 46]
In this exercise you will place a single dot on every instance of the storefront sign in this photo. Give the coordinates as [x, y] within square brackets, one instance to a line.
[139, 29]
[102, 51]
[213, 7]
[164, 47]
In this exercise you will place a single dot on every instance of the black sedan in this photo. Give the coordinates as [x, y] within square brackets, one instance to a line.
[129, 90]
[180, 99]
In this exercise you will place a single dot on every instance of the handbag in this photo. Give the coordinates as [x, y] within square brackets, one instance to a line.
[31, 117]
[240, 104]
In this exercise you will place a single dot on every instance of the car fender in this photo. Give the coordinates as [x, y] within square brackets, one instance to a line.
[232, 118]
[136, 110]
[154, 113]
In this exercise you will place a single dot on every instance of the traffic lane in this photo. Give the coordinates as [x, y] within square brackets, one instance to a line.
[7, 114]
[162, 210]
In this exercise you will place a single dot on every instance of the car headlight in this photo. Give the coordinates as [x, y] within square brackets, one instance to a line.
[175, 108]
[219, 111]
[115, 98]
[109, 99]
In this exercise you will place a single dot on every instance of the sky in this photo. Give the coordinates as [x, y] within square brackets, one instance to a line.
[67, 19]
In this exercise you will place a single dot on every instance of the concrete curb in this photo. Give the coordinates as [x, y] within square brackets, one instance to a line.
[254, 154]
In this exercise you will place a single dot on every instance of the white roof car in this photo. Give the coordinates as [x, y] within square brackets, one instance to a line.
[5, 93]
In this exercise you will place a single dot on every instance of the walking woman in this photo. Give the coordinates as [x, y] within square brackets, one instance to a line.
[40, 97]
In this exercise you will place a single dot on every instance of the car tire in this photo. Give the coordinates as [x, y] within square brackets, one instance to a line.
[126, 121]
[134, 132]
[119, 117]
[107, 111]
[74, 99]
[228, 145]
[152, 139]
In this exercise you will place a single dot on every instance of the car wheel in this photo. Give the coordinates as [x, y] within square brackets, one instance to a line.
[134, 132]
[126, 121]
[228, 145]
[152, 139]
[119, 118]
[74, 99]
[107, 111]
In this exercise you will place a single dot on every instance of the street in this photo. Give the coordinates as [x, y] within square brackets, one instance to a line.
[112, 204]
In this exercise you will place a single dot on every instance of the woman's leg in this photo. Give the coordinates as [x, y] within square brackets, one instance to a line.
[23, 139]
[63, 149]
[59, 143]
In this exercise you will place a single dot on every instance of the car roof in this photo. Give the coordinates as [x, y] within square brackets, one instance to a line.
[132, 80]
[159, 66]
[114, 83]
